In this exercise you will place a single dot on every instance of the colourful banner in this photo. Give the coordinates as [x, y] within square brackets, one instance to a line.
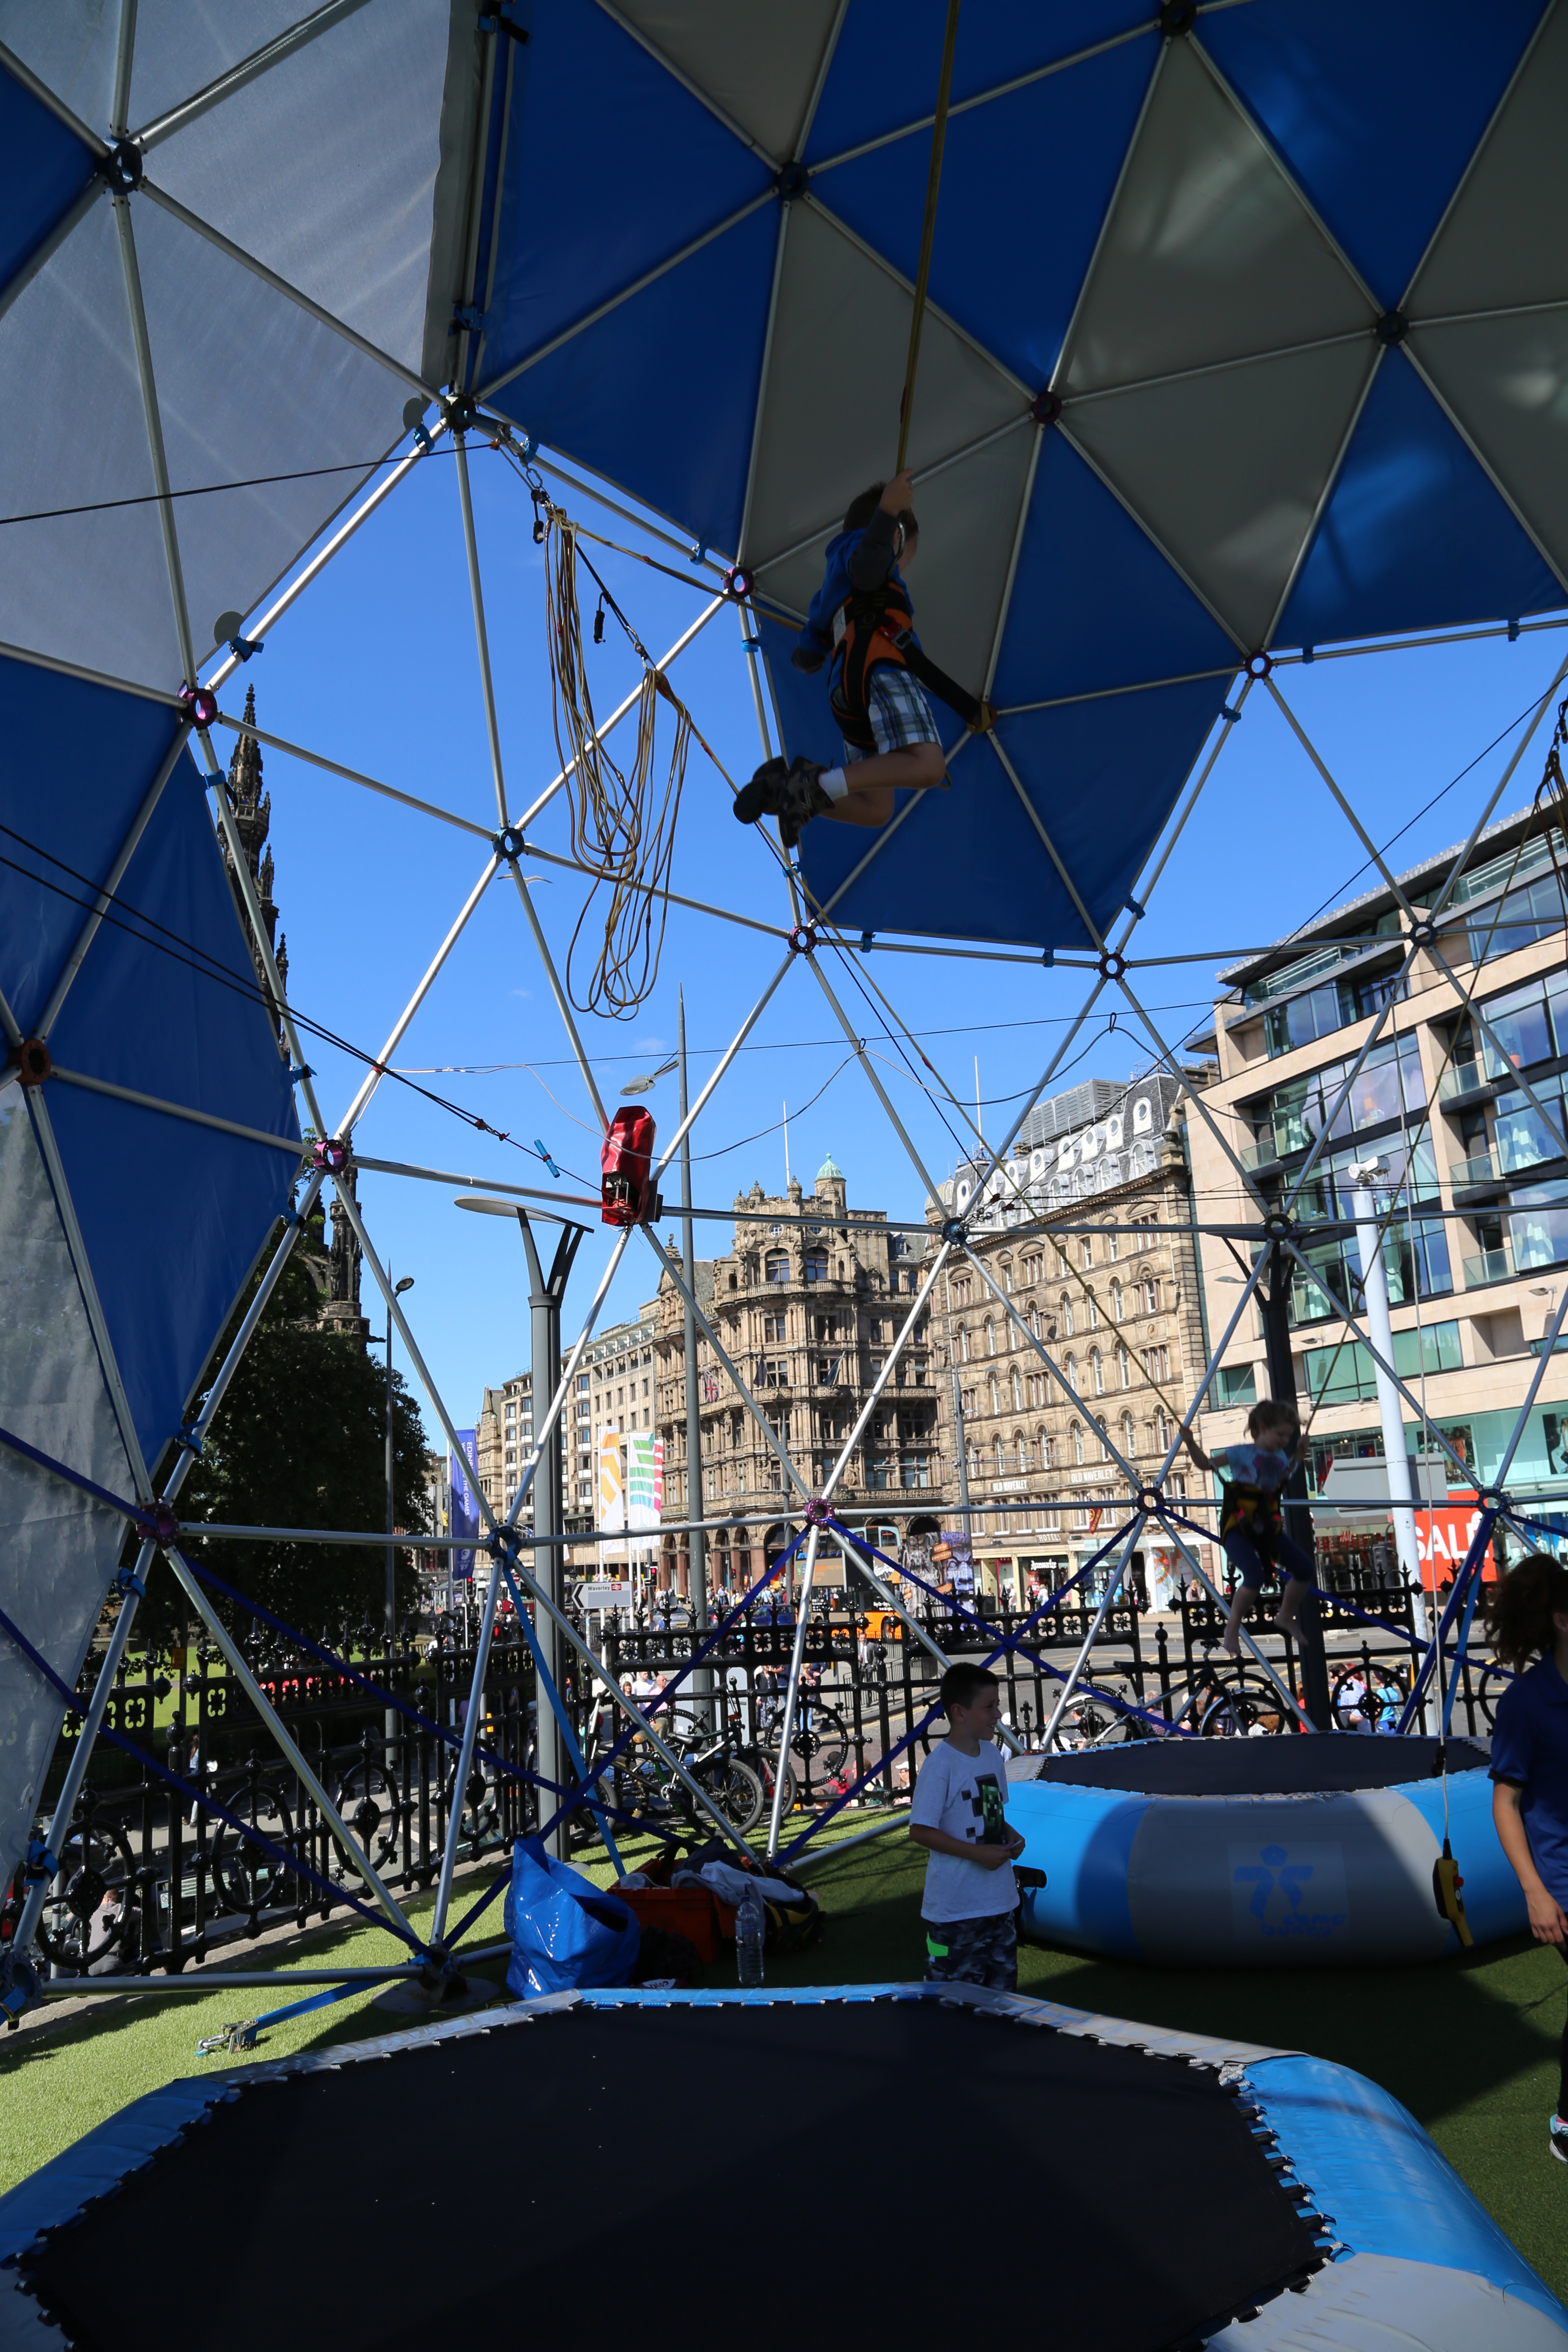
[465, 1505]
[612, 1513]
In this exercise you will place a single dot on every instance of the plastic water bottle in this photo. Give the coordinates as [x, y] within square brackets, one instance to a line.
[751, 1927]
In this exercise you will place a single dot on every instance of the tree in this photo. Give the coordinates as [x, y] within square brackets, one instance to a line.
[299, 1442]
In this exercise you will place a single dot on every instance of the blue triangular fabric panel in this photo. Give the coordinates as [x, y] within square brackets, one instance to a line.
[171, 1214]
[624, 398]
[1379, 169]
[1095, 605]
[47, 168]
[876, 85]
[1102, 775]
[1415, 527]
[78, 764]
[596, 198]
[1012, 241]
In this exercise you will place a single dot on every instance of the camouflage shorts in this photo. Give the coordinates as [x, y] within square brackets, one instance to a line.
[973, 1951]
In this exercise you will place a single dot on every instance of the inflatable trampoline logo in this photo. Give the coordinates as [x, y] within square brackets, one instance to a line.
[1288, 1891]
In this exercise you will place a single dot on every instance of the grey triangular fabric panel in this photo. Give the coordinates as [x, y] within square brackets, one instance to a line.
[340, 142]
[1503, 381]
[1501, 242]
[969, 520]
[1210, 253]
[179, 52]
[71, 46]
[830, 429]
[80, 436]
[758, 66]
[1227, 469]
[241, 367]
[59, 1546]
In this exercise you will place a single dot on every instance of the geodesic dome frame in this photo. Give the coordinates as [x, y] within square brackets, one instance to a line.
[1340, 310]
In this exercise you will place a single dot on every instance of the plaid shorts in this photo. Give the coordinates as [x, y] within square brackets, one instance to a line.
[973, 1951]
[899, 712]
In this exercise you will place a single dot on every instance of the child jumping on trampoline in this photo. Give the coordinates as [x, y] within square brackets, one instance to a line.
[958, 1816]
[861, 617]
[1526, 1618]
[1251, 1526]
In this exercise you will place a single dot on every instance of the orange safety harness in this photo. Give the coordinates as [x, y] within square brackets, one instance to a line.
[875, 625]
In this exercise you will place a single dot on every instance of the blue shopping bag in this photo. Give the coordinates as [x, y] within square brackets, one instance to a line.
[565, 1932]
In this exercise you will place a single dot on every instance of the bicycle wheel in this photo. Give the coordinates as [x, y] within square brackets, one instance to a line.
[79, 1925]
[766, 1766]
[734, 1789]
[1368, 1698]
[1091, 1721]
[1243, 1711]
[244, 1876]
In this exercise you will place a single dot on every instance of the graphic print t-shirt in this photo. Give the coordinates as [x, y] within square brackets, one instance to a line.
[964, 1796]
[1253, 1466]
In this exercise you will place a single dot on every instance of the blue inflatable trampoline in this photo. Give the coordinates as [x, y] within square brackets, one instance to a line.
[657, 2127]
[1262, 1852]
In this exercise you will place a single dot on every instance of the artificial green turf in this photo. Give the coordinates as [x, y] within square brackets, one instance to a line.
[1469, 2045]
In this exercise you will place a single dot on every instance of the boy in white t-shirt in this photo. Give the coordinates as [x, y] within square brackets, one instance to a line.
[958, 1816]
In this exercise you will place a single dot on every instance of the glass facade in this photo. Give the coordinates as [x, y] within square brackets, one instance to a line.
[1389, 1084]
[1319, 1012]
[1347, 1375]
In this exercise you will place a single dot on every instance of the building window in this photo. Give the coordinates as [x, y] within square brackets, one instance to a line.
[1070, 1369]
[1022, 1445]
[1124, 1368]
[1064, 1309]
[817, 1265]
[1104, 1441]
[1077, 1435]
[1092, 1304]
[990, 1337]
[1151, 1296]
[1085, 1250]
[877, 1473]
[1111, 1241]
[996, 1399]
[1129, 1441]
[1001, 1459]
[1017, 1390]
[776, 1266]
[1117, 1308]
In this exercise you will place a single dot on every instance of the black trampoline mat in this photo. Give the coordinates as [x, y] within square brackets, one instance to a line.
[894, 2171]
[1280, 1765]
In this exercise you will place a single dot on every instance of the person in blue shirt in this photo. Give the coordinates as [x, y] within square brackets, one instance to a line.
[862, 622]
[1251, 1524]
[1527, 1617]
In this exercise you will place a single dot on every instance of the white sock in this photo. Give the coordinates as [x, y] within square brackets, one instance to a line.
[835, 784]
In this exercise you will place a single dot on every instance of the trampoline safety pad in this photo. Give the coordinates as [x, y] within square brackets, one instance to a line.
[647, 2151]
[1309, 1852]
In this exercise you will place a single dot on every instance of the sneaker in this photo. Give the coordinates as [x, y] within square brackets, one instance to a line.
[802, 797]
[792, 794]
[759, 797]
[1557, 2136]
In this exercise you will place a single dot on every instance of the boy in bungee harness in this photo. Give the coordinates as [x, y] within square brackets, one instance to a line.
[862, 621]
[1251, 1526]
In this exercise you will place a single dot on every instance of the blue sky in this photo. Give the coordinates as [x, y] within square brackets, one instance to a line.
[376, 666]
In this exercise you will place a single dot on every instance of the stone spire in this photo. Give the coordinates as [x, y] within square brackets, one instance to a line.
[252, 809]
